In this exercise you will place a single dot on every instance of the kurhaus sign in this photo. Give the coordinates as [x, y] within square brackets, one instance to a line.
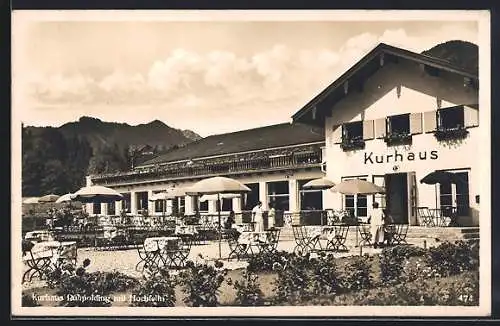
[400, 157]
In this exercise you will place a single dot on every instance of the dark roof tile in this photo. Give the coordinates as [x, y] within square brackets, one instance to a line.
[279, 135]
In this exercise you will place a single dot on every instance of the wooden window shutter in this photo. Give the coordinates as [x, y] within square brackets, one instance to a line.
[429, 121]
[471, 117]
[380, 128]
[415, 123]
[368, 129]
[337, 134]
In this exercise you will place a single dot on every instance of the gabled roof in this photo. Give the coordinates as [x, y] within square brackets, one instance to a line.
[279, 135]
[365, 67]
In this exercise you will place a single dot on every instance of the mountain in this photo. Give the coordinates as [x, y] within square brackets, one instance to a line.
[191, 135]
[56, 160]
[461, 53]
[99, 133]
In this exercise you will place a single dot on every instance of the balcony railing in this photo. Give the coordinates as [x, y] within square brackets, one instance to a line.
[233, 165]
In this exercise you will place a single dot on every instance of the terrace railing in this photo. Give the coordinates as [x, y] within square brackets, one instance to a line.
[226, 165]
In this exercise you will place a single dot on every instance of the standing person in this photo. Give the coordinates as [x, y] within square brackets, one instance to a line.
[257, 217]
[377, 225]
[230, 221]
[271, 217]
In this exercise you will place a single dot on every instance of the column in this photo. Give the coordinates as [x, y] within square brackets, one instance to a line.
[212, 207]
[151, 204]
[118, 207]
[238, 218]
[104, 209]
[293, 197]
[189, 203]
[237, 204]
[293, 193]
[263, 195]
[89, 208]
[133, 203]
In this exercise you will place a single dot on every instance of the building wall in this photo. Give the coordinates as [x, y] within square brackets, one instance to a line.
[262, 179]
[399, 89]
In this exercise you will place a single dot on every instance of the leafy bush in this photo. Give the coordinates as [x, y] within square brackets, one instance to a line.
[460, 292]
[248, 292]
[293, 278]
[391, 265]
[158, 290]
[201, 283]
[451, 259]
[324, 275]
[357, 274]
[80, 288]
[267, 261]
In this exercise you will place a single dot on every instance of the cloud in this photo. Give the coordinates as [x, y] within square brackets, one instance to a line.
[276, 81]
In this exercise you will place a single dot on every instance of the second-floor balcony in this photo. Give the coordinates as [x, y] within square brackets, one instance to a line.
[272, 160]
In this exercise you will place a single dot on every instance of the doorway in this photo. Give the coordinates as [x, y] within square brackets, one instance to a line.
[397, 196]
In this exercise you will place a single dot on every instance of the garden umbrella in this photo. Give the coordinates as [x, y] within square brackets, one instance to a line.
[218, 186]
[440, 177]
[319, 184]
[357, 187]
[96, 194]
[64, 198]
[48, 198]
[31, 200]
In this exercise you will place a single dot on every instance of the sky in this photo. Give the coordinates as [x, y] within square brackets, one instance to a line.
[211, 77]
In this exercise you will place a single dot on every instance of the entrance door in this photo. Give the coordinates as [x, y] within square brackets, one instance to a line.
[397, 196]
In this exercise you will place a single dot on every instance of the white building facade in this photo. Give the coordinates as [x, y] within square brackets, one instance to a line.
[393, 118]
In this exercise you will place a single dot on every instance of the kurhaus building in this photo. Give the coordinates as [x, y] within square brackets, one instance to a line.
[393, 118]
[273, 161]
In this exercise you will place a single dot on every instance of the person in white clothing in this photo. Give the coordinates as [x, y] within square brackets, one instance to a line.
[257, 217]
[271, 217]
[377, 225]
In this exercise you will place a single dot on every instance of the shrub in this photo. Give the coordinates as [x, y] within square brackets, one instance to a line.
[248, 292]
[451, 259]
[391, 265]
[460, 292]
[158, 290]
[267, 261]
[293, 278]
[201, 283]
[357, 274]
[324, 275]
[80, 288]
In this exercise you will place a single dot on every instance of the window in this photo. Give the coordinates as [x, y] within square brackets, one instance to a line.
[456, 195]
[204, 206]
[451, 123]
[96, 208]
[352, 136]
[356, 204]
[111, 208]
[227, 204]
[126, 202]
[398, 130]
[310, 199]
[450, 118]
[278, 195]
[159, 206]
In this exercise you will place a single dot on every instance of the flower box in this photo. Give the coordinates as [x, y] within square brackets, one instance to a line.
[451, 133]
[349, 144]
[395, 138]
